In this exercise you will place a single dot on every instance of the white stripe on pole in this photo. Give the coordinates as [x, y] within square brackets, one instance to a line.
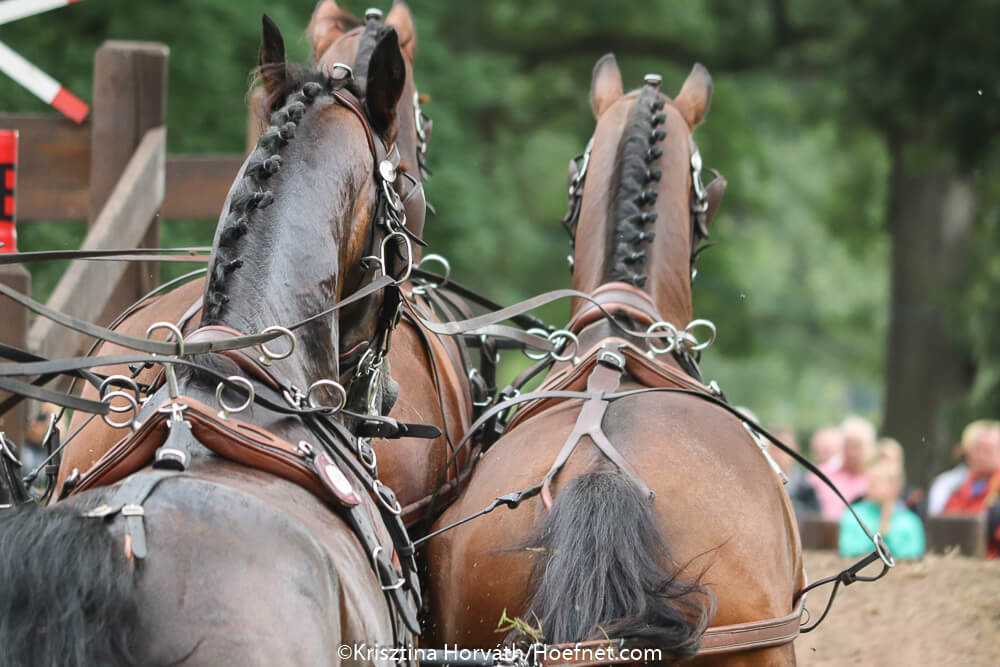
[26, 74]
[12, 10]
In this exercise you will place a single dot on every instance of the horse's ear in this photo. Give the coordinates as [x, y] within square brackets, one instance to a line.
[385, 80]
[271, 57]
[605, 84]
[401, 19]
[328, 22]
[696, 95]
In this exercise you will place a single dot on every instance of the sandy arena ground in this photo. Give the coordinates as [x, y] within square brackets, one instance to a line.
[941, 610]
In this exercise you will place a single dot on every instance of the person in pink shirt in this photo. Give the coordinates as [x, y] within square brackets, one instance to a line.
[827, 446]
[848, 473]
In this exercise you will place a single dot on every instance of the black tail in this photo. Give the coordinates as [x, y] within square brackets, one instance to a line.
[67, 593]
[607, 572]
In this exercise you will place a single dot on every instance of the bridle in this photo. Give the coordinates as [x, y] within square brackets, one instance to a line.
[698, 207]
[390, 250]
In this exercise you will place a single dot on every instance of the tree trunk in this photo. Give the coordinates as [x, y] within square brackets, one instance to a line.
[930, 220]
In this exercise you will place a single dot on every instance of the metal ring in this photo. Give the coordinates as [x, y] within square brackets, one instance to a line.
[229, 410]
[671, 335]
[409, 257]
[336, 386]
[395, 203]
[270, 356]
[434, 257]
[564, 335]
[122, 378]
[370, 461]
[537, 356]
[338, 65]
[882, 549]
[376, 486]
[133, 406]
[399, 582]
[698, 347]
[173, 329]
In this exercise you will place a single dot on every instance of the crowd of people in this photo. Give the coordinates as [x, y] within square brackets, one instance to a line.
[868, 472]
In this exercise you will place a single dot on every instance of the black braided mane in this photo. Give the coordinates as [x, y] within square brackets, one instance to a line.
[250, 193]
[632, 205]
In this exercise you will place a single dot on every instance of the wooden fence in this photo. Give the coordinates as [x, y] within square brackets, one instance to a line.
[112, 172]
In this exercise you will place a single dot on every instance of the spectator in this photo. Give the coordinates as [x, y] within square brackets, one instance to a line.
[799, 489]
[827, 446]
[979, 492]
[945, 484]
[882, 510]
[848, 475]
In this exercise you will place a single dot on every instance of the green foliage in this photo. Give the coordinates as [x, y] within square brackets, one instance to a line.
[798, 284]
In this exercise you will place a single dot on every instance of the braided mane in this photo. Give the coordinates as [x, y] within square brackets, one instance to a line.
[632, 204]
[250, 194]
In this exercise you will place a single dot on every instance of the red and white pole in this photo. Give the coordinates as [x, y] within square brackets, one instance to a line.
[42, 85]
[12, 10]
[8, 185]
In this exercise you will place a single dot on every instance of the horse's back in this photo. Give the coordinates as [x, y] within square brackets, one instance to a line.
[719, 506]
[244, 568]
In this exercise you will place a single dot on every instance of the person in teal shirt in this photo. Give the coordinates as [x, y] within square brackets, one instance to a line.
[882, 511]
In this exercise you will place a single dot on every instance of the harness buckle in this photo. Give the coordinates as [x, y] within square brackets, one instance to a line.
[611, 358]
[132, 509]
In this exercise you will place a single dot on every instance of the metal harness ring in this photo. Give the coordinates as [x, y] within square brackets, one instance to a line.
[409, 256]
[124, 379]
[563, 335]
[377, 487]
[882, 549]
[133, 406]
[173, 329]
[391, 587]
[536, 356]
[671, 335]
[227, 409]
[697, 346]
[270, 356]
[336, 386]
[434, 257]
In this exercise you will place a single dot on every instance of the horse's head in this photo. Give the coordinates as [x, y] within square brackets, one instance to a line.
[337, 36]
[311, 203]
[637, 203]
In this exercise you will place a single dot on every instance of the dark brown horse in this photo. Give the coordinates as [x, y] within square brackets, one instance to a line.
[432, 389]
[222, 563]
[666, 517]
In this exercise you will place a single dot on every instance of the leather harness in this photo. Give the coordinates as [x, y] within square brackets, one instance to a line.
[595, 378]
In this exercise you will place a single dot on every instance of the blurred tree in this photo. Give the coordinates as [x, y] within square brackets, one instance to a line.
[852, 133]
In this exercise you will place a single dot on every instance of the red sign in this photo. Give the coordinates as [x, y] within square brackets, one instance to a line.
[8, 182]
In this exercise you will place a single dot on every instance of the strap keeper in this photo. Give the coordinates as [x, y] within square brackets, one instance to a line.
[133, 510]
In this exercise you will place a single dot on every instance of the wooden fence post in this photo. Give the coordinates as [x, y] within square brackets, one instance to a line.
[14, 323]
[130, 97]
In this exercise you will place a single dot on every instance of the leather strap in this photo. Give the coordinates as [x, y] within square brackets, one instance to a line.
[621, 300]
[753, 635]
[603, 380]
[716, 640]
[127, 501]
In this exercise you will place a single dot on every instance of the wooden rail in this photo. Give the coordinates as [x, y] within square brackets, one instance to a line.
[113, 173]
[123, 222]
[55, 173]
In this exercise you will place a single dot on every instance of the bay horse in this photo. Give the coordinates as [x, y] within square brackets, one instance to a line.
[432, 389]
[202, 560]
[666, 517]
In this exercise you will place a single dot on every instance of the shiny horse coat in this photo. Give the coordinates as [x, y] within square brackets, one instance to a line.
[717, 544]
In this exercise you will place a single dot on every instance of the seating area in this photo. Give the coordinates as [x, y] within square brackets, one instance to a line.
[943, 533]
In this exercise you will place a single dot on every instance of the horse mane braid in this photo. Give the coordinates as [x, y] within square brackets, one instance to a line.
[635, 192]
[251, 194]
